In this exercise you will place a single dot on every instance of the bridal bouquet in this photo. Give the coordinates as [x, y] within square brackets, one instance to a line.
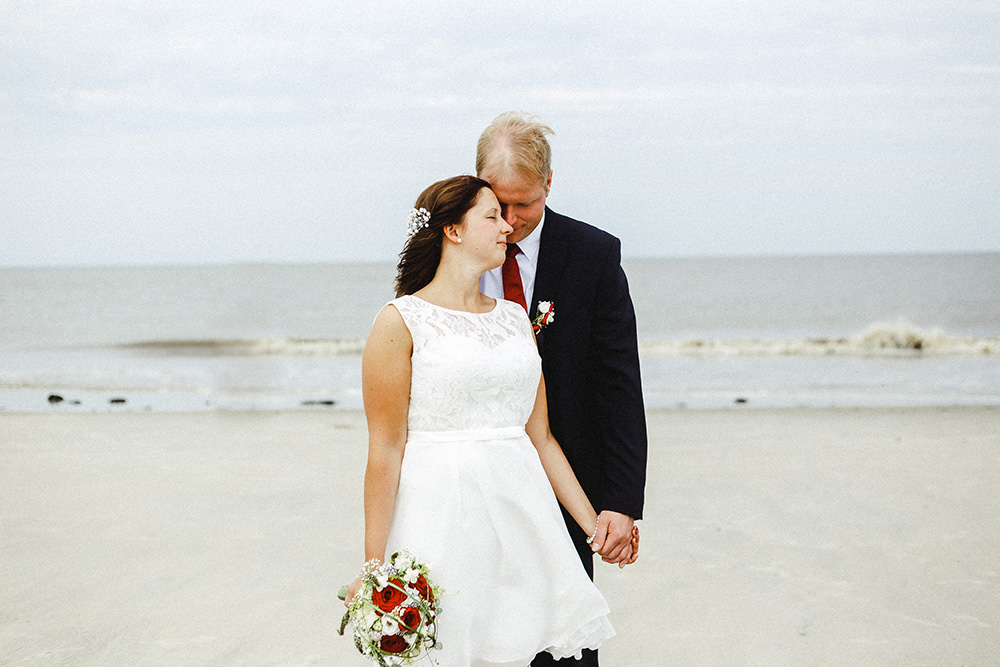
[394, 612]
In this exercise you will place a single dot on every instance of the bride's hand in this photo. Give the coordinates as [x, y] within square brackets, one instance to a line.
[352, 590]
[613, 538]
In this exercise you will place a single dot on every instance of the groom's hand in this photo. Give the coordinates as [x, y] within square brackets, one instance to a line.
[613, 541]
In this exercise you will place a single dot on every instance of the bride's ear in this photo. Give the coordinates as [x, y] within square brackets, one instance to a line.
[453, 233]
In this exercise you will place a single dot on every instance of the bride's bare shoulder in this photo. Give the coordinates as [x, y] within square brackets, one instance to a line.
[389, 319]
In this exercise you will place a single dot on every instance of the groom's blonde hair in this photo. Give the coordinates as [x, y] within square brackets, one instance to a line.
[514, 145]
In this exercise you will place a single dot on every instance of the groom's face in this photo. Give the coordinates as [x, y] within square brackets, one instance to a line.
[522, 202]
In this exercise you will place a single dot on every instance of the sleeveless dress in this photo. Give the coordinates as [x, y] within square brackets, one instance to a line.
[474, 502]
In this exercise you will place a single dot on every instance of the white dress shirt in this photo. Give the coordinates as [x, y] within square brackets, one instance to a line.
[491, 282]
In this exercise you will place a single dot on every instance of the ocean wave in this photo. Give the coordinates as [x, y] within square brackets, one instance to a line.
[252, 347]
[879, 339]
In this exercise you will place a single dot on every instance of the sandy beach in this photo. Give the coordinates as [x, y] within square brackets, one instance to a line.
[772, 537]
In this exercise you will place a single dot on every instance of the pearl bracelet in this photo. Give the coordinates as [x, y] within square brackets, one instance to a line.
[593, 535]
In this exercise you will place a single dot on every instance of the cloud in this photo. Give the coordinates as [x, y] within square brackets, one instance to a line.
[244, 37]
[352, 109]
[983, 70]
[159, 99]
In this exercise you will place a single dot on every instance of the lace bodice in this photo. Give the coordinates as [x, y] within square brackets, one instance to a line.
[469, 370]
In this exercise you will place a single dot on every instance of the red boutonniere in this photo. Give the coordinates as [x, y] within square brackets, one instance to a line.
[546, 316]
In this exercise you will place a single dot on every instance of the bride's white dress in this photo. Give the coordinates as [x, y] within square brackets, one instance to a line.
[474, 501]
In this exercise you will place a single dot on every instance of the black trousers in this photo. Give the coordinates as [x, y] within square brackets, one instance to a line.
[544, 660]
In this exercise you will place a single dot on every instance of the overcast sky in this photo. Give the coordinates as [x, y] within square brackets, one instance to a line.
[235, 131]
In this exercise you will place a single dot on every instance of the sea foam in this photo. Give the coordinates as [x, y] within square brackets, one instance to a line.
[879, 339]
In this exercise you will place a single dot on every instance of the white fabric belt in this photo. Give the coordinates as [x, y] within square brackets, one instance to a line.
[503, 433]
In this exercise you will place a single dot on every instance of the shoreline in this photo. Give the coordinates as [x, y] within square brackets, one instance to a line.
[781, 536]
[58, 401]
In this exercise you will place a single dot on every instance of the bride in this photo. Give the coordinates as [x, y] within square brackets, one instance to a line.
[462, 469]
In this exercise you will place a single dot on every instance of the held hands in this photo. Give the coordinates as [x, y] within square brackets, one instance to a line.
[616, 538]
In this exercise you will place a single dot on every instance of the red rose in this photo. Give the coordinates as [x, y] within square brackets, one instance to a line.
[410, 618]
[424, 589]
[393, 644]
[389, 596]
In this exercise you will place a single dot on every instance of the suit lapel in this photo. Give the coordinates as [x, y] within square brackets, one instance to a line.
[552, 252]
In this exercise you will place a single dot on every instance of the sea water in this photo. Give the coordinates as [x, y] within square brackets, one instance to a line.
[713, 332]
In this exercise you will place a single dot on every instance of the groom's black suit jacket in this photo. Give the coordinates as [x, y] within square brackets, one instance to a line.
[591, 365]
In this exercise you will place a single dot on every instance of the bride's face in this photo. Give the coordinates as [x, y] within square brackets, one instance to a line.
[484, 231]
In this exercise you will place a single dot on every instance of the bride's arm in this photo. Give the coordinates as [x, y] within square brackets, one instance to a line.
[385, 385]
[564, 482]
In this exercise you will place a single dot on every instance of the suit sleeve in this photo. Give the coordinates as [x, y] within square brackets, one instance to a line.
[619, 386]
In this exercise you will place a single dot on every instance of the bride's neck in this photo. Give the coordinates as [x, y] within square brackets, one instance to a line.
[457, 288]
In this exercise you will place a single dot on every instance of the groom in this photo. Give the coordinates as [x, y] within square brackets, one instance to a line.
[589, 351]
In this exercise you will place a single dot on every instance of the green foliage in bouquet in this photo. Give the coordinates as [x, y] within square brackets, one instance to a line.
[394, 612]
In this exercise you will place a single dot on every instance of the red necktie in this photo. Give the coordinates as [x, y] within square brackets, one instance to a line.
[513, 290]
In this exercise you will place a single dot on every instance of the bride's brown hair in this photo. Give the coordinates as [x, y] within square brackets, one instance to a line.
[447, 201]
